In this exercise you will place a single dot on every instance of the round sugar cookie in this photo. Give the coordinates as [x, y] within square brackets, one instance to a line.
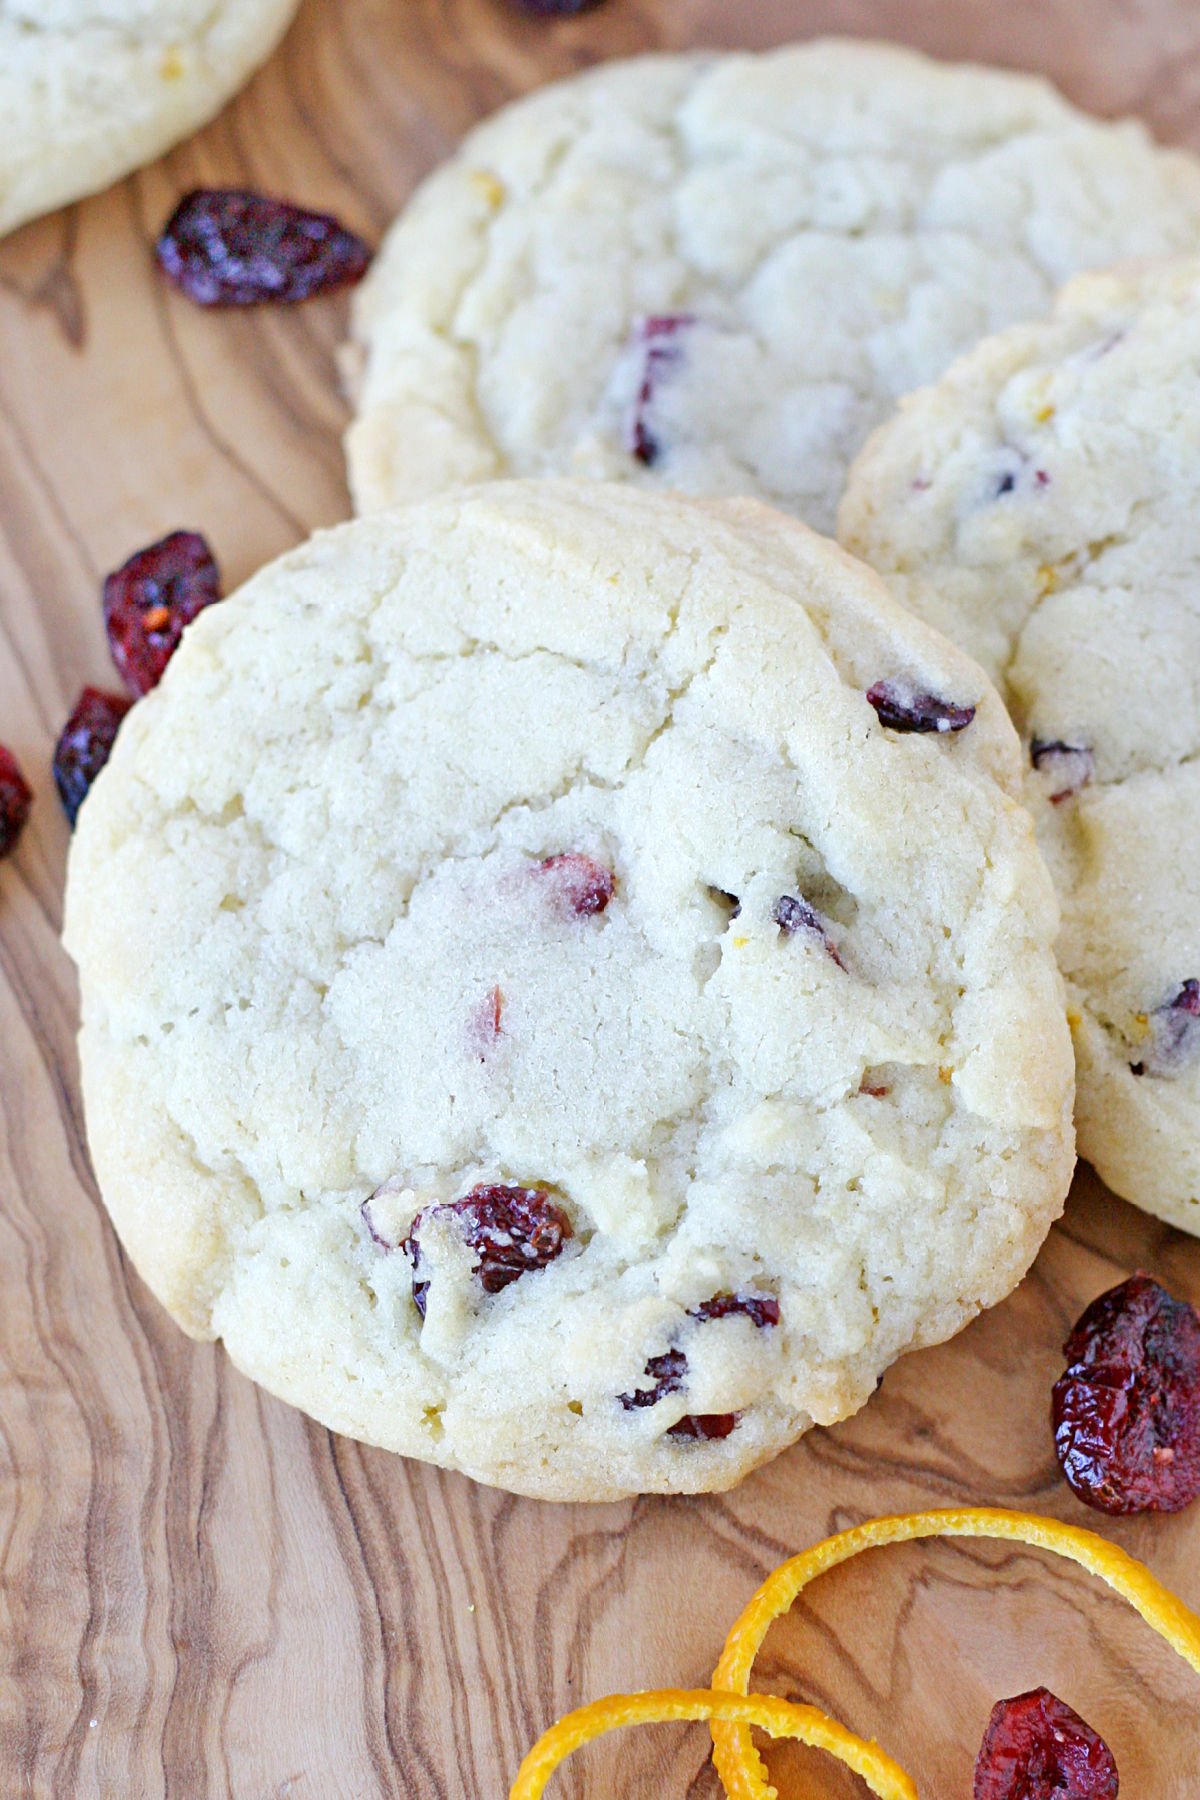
[1041, 505]
[539, 1012]
[92, 89]
[717, 273]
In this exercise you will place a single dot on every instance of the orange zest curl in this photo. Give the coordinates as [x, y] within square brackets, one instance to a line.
[781, 1718]
[738, 1762]
[731, 1710]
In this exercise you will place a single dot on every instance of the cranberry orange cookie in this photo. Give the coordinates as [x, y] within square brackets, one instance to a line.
[567, 991]
[717, 273]
[1041, 505]
[90, 89]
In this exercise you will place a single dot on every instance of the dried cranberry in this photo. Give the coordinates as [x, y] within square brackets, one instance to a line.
[1071, 766]
[230, 247]
[792, 914]
[661, 351]
[16, 798]
[904, 708]
[666, 1372]
[763, 1309]
[85, 745]
[149, 600]
[705, 1426]
[582, 885]
[1037, 1748]
[1127, 1410]
[487, 1023]
[512, 1230]
[1171, 1034]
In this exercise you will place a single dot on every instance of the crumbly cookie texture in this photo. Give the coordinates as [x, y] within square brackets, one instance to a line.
[717, 273]
[539, 847]
[1041, 505]
[91, 89]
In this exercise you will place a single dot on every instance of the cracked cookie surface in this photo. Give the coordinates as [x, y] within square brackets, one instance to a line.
[92, 89]
[535, 1011]
[1041, 505]
[717, 273]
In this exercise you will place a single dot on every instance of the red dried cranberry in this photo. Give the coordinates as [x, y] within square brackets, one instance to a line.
[763, 1309]
[487, 1023]
[666, 1372]
[1071, 766]
[904, 708]
[85, 745]
[704, 1426]
[792, 915]
[230, 247]
[16, 798]
[512, 1230]
[1037, 1748]
[582, 885]
[1172, 1037]
[149, 600]
[1127, 1410]
[661, 351]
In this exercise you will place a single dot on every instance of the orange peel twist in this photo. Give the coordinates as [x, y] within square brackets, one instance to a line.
[781, 1718]
[738, 1762]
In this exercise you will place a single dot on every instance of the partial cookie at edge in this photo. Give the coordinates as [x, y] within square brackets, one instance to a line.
[1041, 506]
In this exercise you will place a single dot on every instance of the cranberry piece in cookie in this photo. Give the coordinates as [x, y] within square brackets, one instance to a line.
[665, 1374]
[85, 746]
[1069, 766]
[761, 1309]
[582, 886]
[149, 600]
[792, 914]
[1037, 1748]
[1171, 1034]
[705, 1427]
[1127, 1410]
[16, 798]
[903, 707]
[511, 1229]
[486, 1026]
[231, 247]
[662, 351]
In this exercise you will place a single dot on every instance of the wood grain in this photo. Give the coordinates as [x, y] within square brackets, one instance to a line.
[202, 1594]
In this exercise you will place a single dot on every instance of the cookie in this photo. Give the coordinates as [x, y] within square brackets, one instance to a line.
[536, 1011]
[717, 273]
[92, 89]
[1041, 505]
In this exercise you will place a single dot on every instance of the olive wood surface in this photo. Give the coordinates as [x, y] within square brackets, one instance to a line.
[202, 1594]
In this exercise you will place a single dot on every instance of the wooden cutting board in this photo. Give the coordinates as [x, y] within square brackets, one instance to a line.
[201, 1593]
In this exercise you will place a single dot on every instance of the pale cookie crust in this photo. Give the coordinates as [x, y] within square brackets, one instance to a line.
[320, 956]
[717, 273]
[1041, 505]
[92, 89]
